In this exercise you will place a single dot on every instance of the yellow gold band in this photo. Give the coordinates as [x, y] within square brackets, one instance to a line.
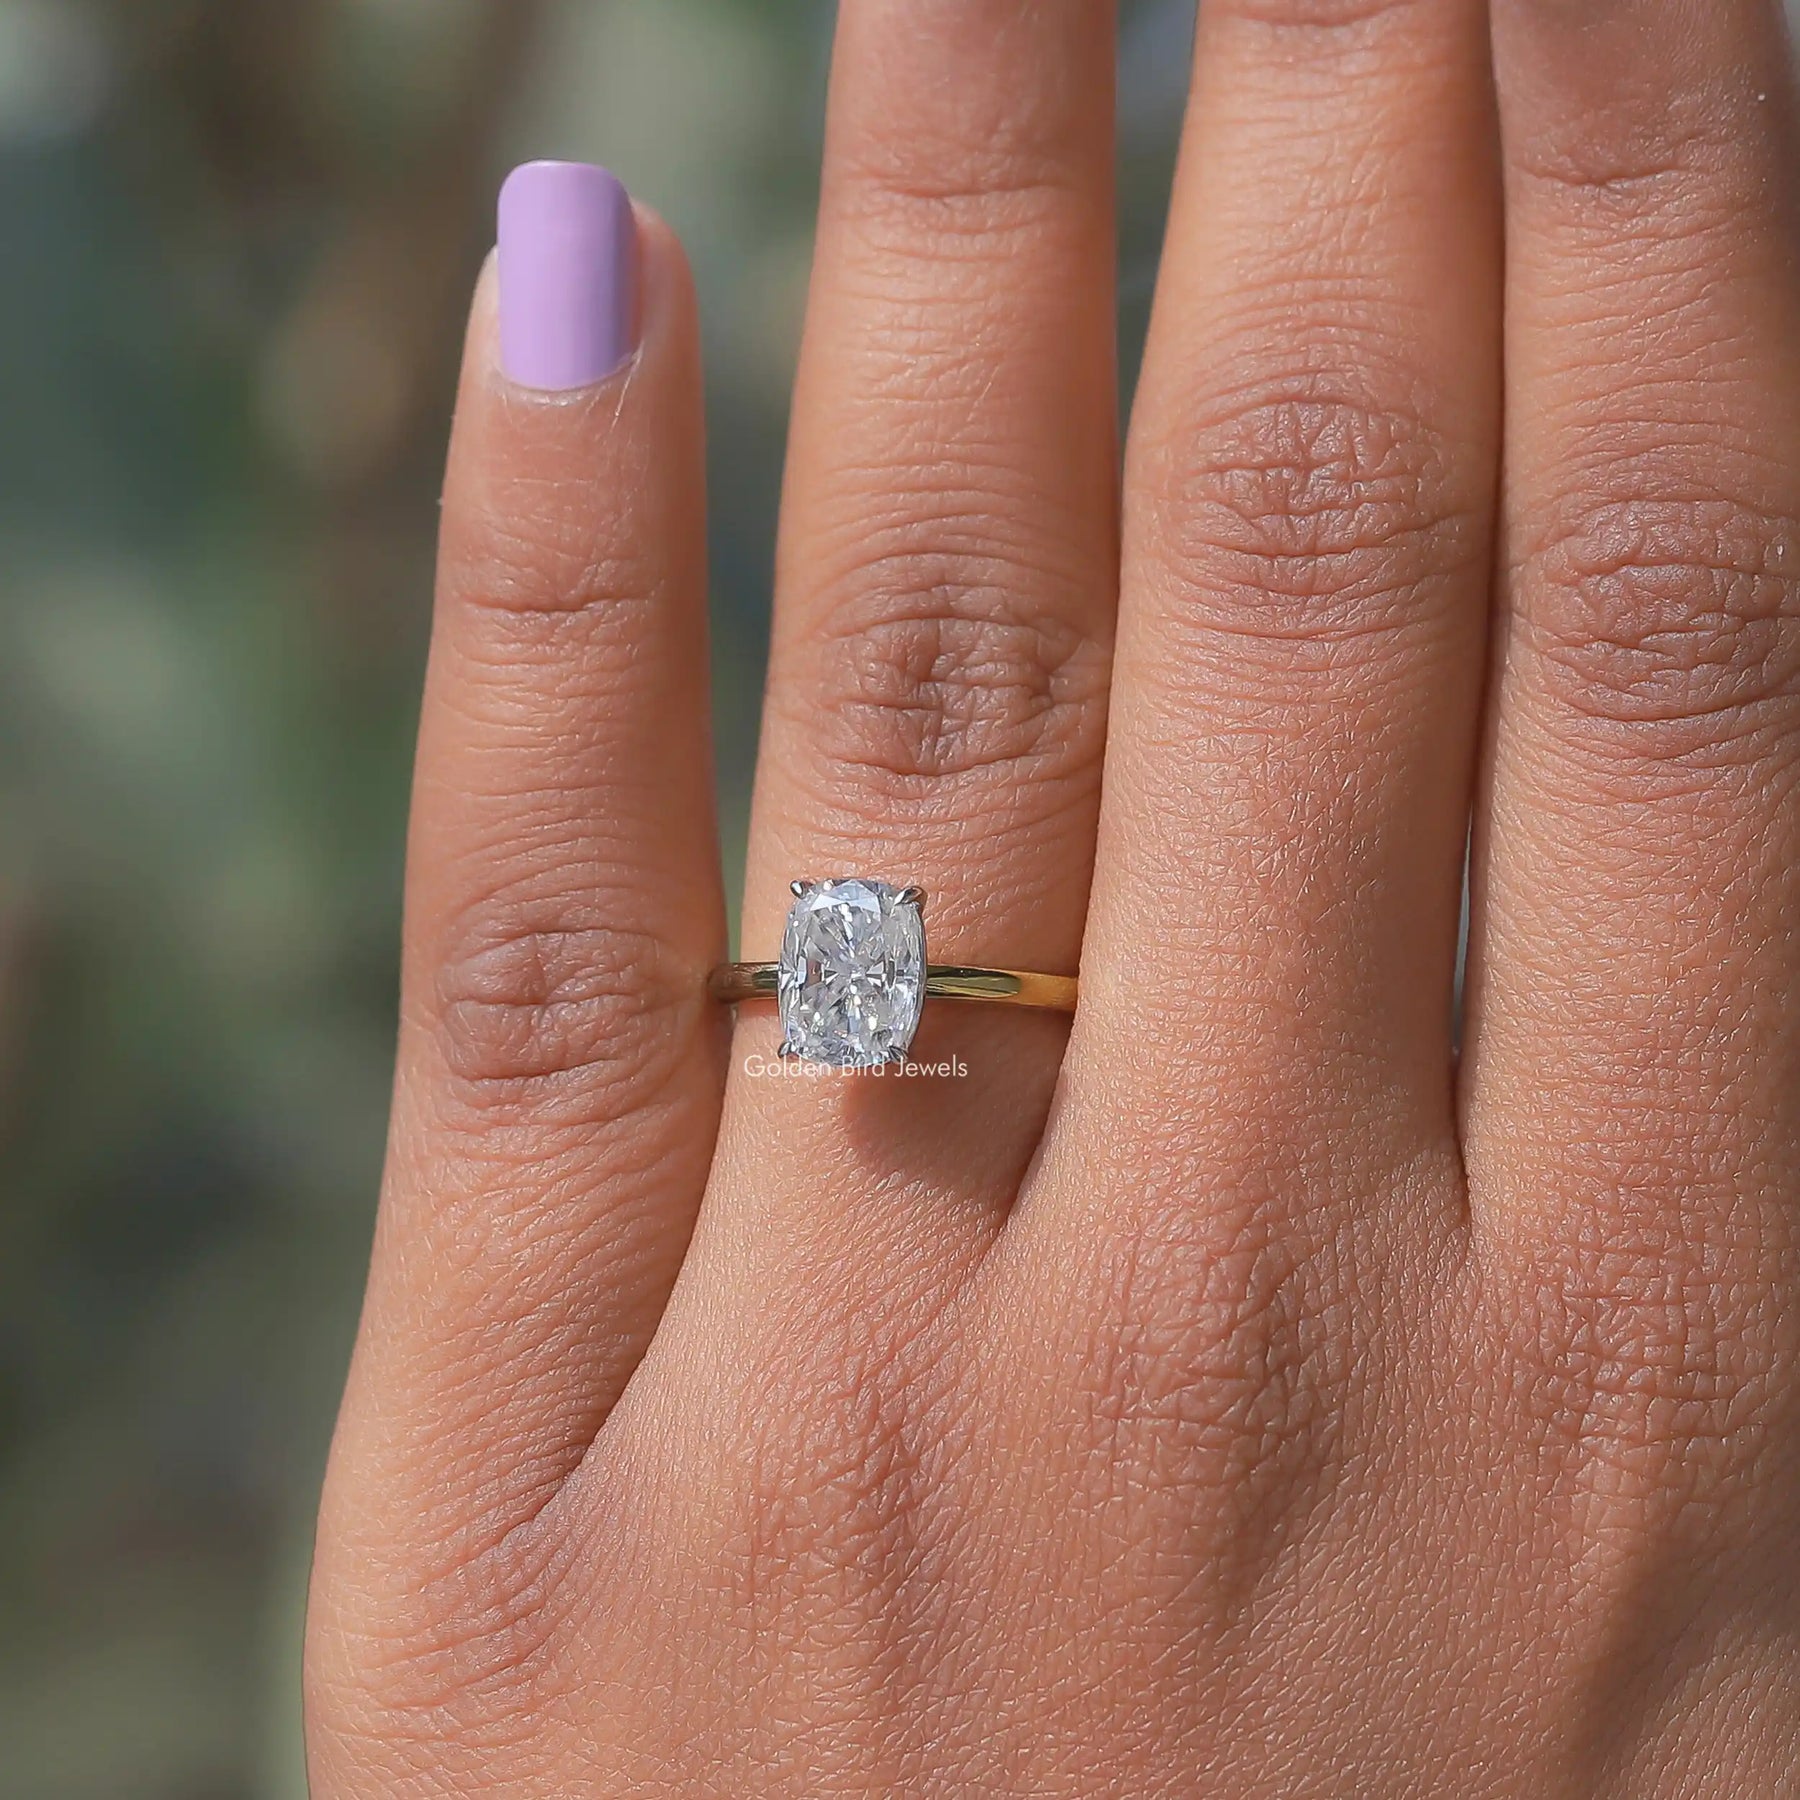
[734, 983]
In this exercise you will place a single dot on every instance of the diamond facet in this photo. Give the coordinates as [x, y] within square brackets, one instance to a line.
[852, 973]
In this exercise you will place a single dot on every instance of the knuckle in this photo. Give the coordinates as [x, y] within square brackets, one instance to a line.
[567, 1022]
[1655, 1371]
[1619, 160]
[1302, 517]
[838, 1486]
[422, 1656]
[533, 561]
[840, 1502]
[1210, 1372]
[1617, 171]
[911, 196]
[544, 562]
[933, 672]
[1322, 16]
[973, 156]
[1670, 625]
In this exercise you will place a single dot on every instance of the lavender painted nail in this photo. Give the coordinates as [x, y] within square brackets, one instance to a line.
[568, 275]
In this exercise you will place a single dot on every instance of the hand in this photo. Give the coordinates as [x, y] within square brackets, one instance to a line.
[1241, 1395]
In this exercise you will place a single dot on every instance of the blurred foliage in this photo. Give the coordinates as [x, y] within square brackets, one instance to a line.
[240, 238]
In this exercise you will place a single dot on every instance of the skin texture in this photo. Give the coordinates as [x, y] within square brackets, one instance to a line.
[1243, 1393]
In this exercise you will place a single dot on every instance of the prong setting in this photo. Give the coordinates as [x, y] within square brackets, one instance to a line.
[852, 972]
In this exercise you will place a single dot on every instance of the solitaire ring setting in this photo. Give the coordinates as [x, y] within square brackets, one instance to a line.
[853, 977]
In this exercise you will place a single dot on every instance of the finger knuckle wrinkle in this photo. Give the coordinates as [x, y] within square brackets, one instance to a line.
[583, 1020]
[1308, 518]
[1674, 625]
[1211, 1369]
[977, 158]
[1322, 17]
[835, 1513]
[456, 1648]
[934, 674]
[541, 569]
[1625, 179]
[1641, 1362]
[975, 196]
[1616, 158]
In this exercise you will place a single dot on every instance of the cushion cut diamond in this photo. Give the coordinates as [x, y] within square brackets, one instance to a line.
[852, 973]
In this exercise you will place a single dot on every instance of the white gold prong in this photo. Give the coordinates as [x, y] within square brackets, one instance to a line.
[852, 973]
[853, 977]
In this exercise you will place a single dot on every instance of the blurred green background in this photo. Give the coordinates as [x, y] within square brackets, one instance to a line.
[236, 244]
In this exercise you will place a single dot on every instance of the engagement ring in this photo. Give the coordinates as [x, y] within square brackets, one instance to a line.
[853, 979]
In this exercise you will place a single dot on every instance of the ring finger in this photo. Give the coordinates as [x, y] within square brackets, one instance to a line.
[937, 694]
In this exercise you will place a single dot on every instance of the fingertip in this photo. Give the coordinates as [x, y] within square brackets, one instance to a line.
[568, 276]
[665, 279]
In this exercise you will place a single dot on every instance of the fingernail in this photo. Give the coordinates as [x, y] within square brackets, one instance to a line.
[568, 275]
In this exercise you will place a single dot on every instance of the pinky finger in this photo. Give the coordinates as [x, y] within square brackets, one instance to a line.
[560, 1069]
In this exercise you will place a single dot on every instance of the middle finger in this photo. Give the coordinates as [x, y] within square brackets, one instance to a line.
[1257, 1149]
[1309, 501]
